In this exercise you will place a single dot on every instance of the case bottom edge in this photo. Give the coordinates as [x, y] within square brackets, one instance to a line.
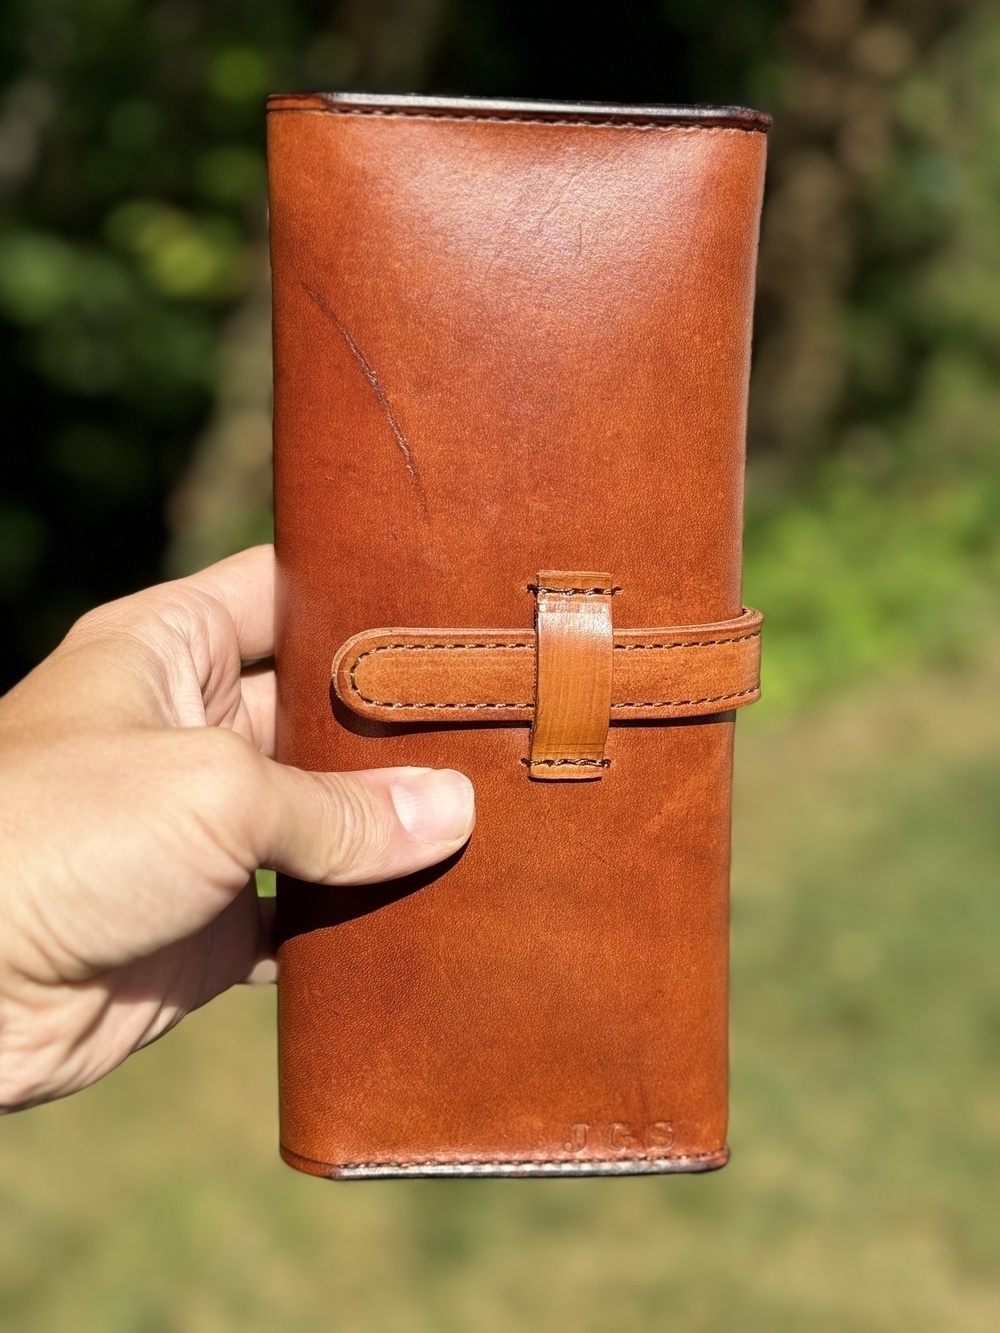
[618, 1166]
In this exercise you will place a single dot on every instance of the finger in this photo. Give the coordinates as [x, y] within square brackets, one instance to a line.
[260, 692]
[236, 946]
[359, 828]
[265, 970]
[126, 661]
[244, 584]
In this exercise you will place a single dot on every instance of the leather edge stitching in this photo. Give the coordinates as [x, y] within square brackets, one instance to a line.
[686, 703]
[424, 648]
[699, 643]
[541, 589]
[677, 127]
[563, 763]
[514, 1161]
[618, 647]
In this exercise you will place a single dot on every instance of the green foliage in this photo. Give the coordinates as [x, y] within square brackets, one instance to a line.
[862, 584]
[890, 546]
[132, 168]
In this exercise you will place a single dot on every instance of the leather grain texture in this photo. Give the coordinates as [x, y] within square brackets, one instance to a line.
[512, 338]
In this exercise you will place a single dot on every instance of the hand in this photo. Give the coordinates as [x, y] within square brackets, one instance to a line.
[136, 802]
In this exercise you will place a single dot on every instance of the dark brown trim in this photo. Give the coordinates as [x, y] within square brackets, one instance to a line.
[478, 108]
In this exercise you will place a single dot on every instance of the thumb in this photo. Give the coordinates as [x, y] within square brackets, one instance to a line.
[358, 828]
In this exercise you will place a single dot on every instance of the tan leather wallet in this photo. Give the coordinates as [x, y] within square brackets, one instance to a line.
[512, 346]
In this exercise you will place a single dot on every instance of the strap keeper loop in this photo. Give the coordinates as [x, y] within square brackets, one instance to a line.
[572, 675]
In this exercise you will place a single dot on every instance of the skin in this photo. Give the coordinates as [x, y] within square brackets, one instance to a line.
[138, 796]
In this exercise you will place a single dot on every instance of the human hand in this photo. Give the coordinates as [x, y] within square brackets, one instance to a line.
[136, 801]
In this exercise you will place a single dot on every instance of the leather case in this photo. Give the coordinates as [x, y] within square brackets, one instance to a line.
[511, 346]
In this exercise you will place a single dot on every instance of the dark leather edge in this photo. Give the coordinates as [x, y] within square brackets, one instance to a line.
[617, 1166]
[480, 108]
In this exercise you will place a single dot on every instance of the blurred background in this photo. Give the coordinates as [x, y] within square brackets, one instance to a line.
[134, 367]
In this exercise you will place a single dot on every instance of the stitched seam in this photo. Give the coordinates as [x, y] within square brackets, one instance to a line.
[681, 126]
[423, 648]
[384, 703]
[520, 1161]
[622, 647]
[539, 588]
[702, 643]
[566, 763]
[683, 703]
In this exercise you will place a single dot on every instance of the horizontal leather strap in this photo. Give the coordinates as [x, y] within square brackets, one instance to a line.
[460, 675]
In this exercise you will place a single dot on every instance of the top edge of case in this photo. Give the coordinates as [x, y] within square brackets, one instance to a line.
[477, 108]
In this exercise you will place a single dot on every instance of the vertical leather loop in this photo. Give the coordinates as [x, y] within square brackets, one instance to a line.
[573, 682]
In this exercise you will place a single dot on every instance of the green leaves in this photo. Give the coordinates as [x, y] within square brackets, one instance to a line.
[180, 255]
[40, 275]
[231, 174]
[240, 74]
[102, 323]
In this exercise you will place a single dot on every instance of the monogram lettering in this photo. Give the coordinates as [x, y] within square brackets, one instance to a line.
[577, 1138]
[660, 1134]
[621, 1137]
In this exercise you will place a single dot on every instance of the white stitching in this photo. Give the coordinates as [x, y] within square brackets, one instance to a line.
[515, 1161]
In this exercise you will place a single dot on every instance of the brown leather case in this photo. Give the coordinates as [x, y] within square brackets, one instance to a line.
[512, 345]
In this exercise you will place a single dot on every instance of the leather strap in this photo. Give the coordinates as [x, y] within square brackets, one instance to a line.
[572, 675]
[555, 676]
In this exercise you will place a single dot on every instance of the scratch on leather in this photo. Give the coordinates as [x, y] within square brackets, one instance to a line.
[378, 389]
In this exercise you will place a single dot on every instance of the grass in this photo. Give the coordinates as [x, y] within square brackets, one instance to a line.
[862, 1194]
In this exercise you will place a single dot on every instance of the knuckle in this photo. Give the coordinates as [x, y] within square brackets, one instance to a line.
[96, 623]
[358, 833]
[225, 765]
